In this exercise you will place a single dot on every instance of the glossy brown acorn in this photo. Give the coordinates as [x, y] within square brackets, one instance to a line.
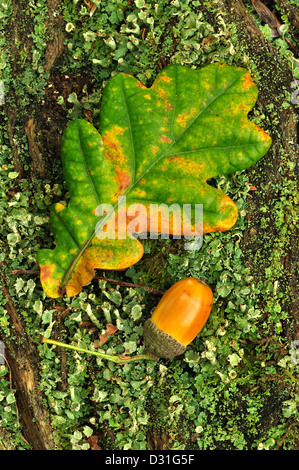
[178, 318]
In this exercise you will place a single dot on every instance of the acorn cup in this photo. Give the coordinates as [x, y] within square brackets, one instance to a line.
[178, 318]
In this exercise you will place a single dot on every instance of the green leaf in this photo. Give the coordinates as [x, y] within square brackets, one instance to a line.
[156, 145]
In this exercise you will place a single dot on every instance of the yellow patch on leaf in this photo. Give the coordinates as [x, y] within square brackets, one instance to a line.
[247, 82]
[123, 178]
[184, 118]
[50, 284]
[165, 78]
[59, 207]
[186, 166]
[112, 146]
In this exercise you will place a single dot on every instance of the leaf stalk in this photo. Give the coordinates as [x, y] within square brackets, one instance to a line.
[117, 359]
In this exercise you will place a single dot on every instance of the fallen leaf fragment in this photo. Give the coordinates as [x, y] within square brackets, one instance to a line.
[93, 442]
[110, 330]
[90, 5]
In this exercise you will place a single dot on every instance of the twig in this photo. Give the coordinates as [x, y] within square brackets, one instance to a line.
[130, 284]
[25, 271]
[102, 278]
[282, 441]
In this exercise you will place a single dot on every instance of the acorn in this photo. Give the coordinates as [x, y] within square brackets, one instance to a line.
[178, 318]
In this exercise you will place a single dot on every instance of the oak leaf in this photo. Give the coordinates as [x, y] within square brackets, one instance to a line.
[157, 145]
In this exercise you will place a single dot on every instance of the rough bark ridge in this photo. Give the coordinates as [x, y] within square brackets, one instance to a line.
[275, 76]
[23, 358]
[40, 135]
[21, 352]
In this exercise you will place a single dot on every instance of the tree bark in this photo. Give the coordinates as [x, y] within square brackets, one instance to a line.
[276, 75]
[32, 121]
[20, 350]
[23, 360]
